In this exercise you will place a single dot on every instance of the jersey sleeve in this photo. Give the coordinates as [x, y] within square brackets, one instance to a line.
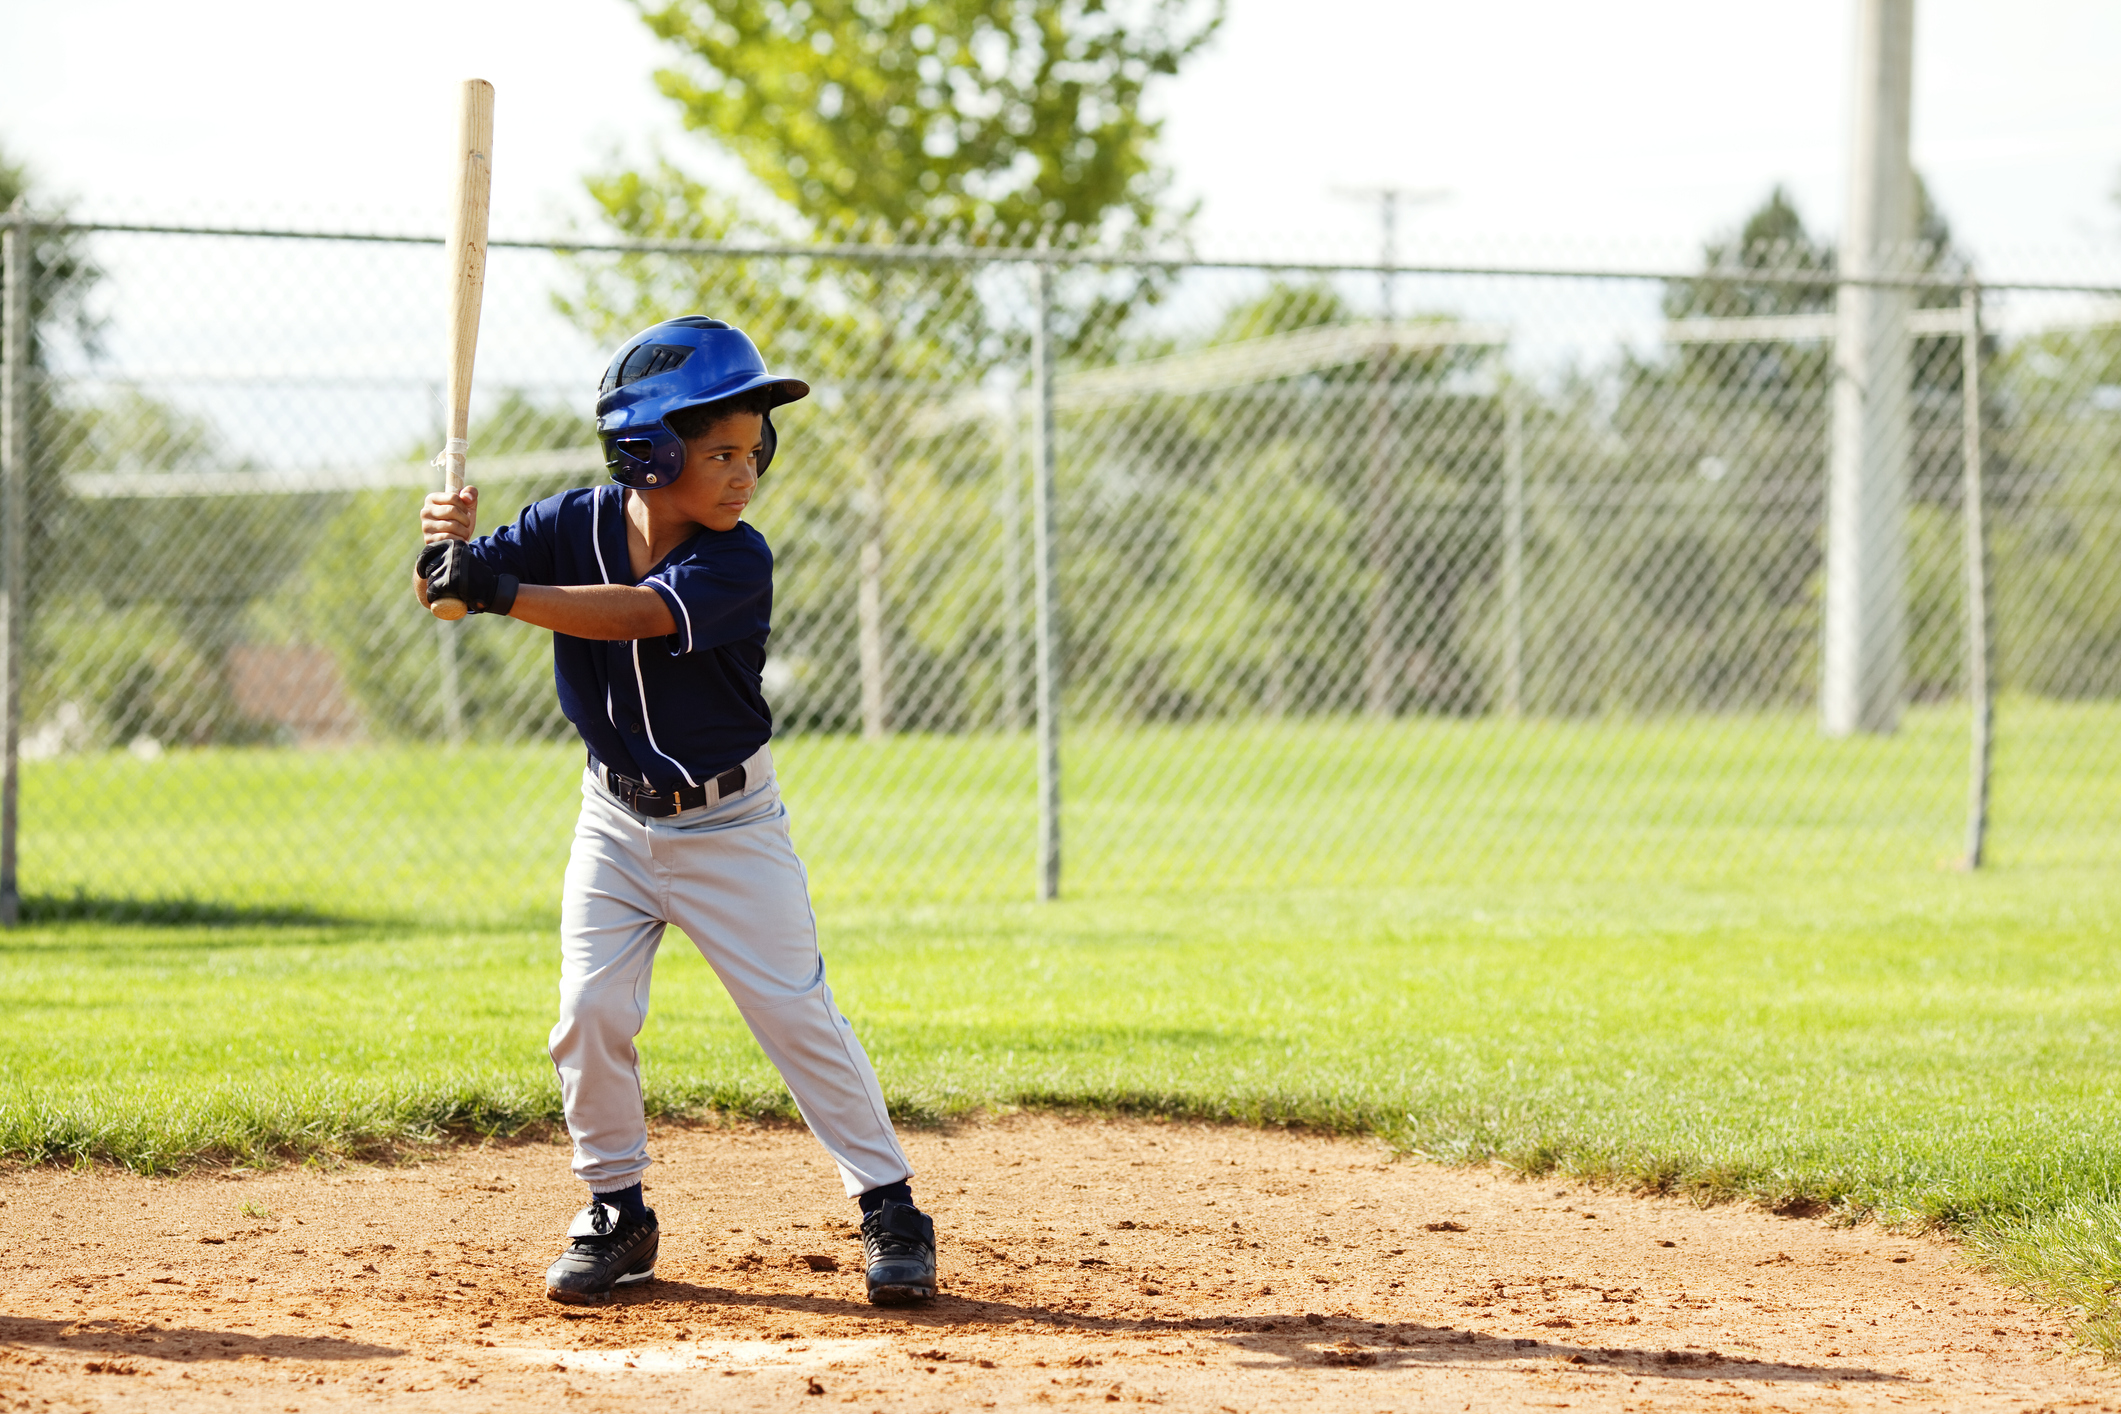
[717, 600]
[524, 549]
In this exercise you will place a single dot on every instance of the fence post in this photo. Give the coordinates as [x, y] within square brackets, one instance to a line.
[1512, 551]
[872, 641]
[14, 479]
[451, 682]
[1014, 451]
[1380, 675]
[1044, 533]
[1980, 638]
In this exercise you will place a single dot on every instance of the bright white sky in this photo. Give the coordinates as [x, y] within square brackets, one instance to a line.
[1649, 123]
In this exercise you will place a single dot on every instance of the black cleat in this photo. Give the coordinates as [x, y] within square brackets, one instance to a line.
[606, 1249]
[898, 1247]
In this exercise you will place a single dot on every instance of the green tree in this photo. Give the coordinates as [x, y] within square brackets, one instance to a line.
[1712, 556]
[61, 273]
[62, 277]
[1694, 576]
[1234, 505]
[113, 647]
[142, 596]
[2053, 468]
[856, 113]
[356, 590]
[924, 111]
[1773, 241]
[1280, 309]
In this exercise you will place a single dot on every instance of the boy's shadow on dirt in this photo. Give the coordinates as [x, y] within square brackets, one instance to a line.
[1280, 1341]
[118, 1339]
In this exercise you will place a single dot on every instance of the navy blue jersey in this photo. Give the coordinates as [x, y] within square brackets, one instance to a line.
[674, 711]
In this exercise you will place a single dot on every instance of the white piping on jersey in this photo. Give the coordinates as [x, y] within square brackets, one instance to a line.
[596, 531]
[647, 726]
[675, 598]
[596, 543]
[596, 538]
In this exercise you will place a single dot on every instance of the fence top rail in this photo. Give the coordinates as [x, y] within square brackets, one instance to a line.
[958, 253]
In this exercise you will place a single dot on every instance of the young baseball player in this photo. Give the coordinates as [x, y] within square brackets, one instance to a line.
[659, 599]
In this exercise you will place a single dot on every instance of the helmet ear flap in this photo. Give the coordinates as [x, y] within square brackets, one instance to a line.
[768, 441]
[651, 457]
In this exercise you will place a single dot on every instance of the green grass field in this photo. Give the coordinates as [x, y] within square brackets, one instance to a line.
[1196, 811]
[1715, 957]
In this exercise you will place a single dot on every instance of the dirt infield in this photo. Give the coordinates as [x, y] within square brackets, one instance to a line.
[1085, 1263]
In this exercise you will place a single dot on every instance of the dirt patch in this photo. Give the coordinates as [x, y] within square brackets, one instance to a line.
[1084, 1262]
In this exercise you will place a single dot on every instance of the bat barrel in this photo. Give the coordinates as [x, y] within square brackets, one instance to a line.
[467, 252]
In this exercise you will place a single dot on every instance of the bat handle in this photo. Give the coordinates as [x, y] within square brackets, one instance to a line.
[452, 460]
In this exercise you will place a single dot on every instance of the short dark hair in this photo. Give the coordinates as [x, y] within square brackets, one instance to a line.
[695, 422]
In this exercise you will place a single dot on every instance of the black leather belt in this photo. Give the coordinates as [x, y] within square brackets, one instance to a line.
[644, 799]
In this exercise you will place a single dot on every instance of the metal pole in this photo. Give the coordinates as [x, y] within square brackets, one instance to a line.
[14, 479]
[872, 647]
[1012, 512]
[452, 683]
[1863, 646]
[1980, 640]
[1379, 678]
[1512, 552]
[1388, 227]
[1044, 533]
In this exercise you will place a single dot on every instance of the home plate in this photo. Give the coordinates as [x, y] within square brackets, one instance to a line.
[703, 1355]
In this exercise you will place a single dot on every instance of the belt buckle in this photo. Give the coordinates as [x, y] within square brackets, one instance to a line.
[634, 795]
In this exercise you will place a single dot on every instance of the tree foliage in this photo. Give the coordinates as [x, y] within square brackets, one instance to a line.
[357, 589]
[1737, 435]
[926, 111]
[1771, 239]
[139, 599]
[1281, 308]
[2053, 465]
[61, 273]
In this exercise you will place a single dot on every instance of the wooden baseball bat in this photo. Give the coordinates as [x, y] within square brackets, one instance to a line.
[467, 282]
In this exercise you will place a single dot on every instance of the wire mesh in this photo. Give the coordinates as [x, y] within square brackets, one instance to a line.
[1364, 578]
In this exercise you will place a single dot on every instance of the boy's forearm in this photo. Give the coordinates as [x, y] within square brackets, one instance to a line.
[597, 611]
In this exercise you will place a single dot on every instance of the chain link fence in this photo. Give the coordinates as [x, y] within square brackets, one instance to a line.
[1107, 575]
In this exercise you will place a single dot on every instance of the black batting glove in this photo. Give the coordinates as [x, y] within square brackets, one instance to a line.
[464, 576]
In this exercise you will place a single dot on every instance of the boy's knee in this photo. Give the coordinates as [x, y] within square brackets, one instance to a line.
[782, 977]
[598, 1014]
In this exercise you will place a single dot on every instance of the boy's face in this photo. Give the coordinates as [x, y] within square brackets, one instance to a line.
[721, 471]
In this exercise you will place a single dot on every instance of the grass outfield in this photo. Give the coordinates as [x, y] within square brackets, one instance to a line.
[1696, 1008]
[1200, 810]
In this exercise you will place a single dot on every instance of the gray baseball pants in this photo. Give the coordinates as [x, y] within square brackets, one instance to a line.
[726, 875]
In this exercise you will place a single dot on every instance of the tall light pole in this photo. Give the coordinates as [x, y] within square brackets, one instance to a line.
[1864, 639]
[1378, 678]
[1389, 199]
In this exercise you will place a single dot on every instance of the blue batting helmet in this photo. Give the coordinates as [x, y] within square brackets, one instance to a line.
[678, 364]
